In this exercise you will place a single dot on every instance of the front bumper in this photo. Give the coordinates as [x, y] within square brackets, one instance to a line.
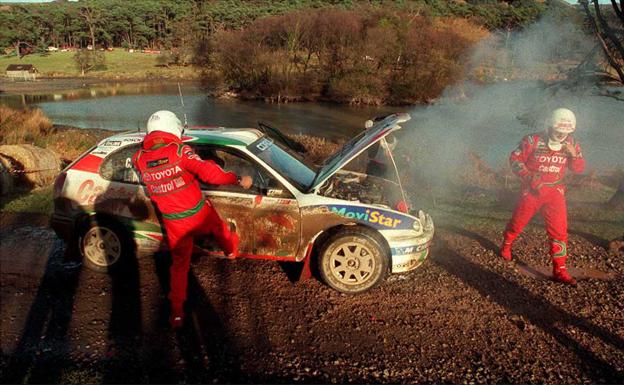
[408, 258]
[409, 252]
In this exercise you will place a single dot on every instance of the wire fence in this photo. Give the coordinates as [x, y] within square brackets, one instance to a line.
[14, 171]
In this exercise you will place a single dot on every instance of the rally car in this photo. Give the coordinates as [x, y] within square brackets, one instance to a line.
[343, 222]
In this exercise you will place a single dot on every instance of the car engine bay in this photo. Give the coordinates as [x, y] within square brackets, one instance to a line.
[352, 186]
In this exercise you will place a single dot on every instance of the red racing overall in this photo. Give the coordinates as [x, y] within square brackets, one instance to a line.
[169, 169]
[542, 170]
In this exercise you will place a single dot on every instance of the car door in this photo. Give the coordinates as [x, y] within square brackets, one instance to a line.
[266, 216]
[277, 221]
[233, 203]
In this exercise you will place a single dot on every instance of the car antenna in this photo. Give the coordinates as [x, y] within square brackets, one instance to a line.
[183, 108]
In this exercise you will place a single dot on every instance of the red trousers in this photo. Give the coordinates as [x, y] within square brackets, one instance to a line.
[180, 235]
[551, 203]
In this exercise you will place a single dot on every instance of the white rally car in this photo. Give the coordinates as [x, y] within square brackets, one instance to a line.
[342, 222]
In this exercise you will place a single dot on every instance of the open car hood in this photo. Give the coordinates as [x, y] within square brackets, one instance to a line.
[357, 145]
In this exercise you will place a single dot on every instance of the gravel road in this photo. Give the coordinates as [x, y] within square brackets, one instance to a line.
[464, 317]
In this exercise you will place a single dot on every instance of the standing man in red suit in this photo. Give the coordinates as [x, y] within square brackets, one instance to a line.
[170, 171]
[540, 161]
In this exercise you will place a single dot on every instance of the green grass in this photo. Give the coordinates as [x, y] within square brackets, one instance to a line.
[119, 64]
[37, 201]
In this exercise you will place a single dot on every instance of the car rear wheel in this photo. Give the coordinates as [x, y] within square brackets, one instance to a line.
[104, 244]
[353, 261]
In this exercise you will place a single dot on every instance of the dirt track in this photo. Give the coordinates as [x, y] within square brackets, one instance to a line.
[464, 317]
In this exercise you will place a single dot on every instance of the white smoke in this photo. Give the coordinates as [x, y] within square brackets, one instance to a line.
[490, 119]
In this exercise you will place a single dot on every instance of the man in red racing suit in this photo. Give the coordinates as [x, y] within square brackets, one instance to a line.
[540, 161]
[169, 169]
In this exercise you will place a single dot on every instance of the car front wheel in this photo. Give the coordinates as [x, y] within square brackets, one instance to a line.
[353, 261]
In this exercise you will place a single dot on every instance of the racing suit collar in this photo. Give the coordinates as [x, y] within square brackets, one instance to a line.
[157, 139]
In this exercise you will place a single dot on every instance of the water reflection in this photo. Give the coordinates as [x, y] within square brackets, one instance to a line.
[57, 91]
[127, 107]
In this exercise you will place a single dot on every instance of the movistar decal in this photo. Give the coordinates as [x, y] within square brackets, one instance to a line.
[380, 219]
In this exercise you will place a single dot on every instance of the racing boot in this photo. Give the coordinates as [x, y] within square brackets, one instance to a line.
[505, 251]
[560, 273]
[231, 251]
[176, 318]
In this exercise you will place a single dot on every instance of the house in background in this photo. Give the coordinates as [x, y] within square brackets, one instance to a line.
[21, 72]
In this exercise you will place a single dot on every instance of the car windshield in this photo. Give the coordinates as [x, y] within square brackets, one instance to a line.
[284, 161]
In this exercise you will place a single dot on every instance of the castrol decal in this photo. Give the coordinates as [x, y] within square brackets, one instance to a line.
[90, 191]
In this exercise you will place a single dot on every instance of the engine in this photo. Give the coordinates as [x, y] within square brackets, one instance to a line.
[364, 188]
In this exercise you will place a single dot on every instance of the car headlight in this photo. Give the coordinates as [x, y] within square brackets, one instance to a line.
[417, 226]
[428, 223]
[421, 217]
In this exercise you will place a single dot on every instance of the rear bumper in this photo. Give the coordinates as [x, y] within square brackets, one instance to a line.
[63, 226]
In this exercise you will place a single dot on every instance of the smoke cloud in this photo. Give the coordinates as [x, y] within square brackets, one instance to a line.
[490, 119]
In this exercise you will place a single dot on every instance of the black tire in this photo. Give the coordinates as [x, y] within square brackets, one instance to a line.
[353, 261]
[105, 245]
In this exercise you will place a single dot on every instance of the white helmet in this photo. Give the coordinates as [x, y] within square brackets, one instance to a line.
[563, 121]
[165, 121]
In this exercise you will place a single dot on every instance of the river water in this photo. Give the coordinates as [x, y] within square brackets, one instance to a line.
[489, 120]
[127, 107]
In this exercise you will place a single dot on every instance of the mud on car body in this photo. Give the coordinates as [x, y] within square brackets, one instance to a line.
[295, 211]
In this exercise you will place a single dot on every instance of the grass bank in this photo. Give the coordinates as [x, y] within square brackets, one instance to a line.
[36, 202]
[119, 64]
[31, 126]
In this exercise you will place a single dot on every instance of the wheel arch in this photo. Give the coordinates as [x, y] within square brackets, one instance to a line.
[320, 239]
[86, 219]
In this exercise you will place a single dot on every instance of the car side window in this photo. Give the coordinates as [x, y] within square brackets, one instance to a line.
[263, 182]
[117, 167]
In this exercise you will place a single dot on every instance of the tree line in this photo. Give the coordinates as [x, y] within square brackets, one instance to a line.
[359, 52]
[163, 23]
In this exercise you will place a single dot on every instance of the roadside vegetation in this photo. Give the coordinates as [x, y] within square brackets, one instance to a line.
[375, 57]
[31, 126]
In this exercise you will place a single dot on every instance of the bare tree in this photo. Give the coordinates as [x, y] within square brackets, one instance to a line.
[92, 17]
[609, 32]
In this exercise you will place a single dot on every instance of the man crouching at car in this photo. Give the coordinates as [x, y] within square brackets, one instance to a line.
[170, 171]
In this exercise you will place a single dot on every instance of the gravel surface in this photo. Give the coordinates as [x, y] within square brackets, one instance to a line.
[464, 317]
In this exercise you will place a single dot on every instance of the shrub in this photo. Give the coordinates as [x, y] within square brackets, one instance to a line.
[86, 60]
[164, 59]
[23, 126]
[369, 56]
